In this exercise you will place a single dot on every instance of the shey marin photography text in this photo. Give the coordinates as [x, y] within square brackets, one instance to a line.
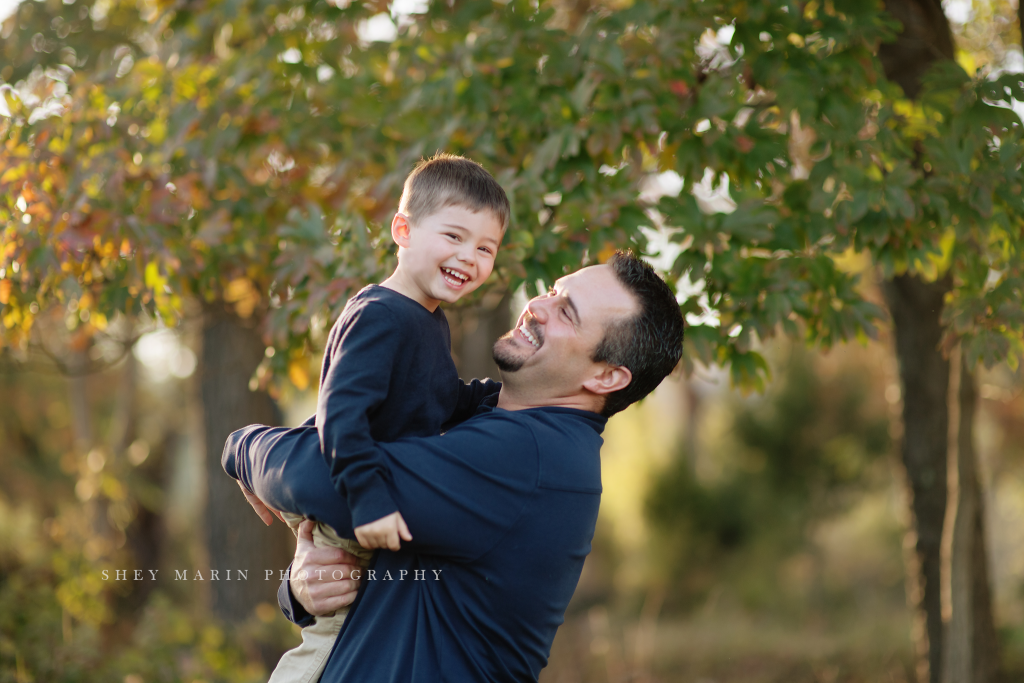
[268, 575]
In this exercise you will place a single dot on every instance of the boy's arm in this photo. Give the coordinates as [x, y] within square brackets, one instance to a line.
[459, 492]
[470, 397]
[356, 382]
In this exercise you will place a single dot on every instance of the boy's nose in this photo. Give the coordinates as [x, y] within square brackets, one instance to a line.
[466, 255]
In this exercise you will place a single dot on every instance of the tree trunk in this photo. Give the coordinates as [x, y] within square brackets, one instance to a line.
[924, 40]
[916, 306]
[236, 538]
[972, 653]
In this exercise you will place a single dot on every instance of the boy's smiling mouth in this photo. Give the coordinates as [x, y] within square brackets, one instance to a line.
[453, 277]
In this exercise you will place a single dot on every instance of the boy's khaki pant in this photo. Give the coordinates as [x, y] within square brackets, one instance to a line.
[305, 663]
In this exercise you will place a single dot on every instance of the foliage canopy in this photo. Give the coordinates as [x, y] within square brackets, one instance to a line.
[247, 151]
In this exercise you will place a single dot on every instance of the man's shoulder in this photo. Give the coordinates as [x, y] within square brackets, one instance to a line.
[569, 448]
[558, 449]
[551, 419]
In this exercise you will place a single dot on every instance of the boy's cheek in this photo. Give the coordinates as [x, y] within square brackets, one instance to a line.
[484, 273]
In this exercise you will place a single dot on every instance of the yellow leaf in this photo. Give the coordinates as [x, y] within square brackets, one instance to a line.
[606, 252]
[423, 52]
[967, 61]
[12, 174]
[298, 373]
[243, 295]
[504, 62]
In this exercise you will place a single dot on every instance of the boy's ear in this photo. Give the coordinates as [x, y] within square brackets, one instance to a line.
[400, 229]
[608, 380]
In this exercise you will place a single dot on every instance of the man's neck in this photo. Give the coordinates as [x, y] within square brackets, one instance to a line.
[510, 399]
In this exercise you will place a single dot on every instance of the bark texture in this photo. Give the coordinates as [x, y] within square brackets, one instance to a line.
[916, 307]
[925, 39]
[972, 652]
[236, 539]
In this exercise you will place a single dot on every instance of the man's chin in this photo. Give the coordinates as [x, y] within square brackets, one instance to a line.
[505, 355]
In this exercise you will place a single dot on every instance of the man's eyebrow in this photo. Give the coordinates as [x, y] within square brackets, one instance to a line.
[575, 311]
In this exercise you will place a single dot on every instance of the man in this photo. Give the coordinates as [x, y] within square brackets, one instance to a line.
[501, 508]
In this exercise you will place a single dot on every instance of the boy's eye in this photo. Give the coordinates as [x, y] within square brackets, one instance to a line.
[452, 235]
[485, 250]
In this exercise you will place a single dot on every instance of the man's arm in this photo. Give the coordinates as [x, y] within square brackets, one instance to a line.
[460, 491]
[284, 468]
[321, 579]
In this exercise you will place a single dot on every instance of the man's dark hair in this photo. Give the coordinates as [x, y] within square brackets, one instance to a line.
[650, 343]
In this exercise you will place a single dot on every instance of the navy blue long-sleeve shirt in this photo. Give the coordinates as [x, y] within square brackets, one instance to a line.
[503, 507]
[387, 373]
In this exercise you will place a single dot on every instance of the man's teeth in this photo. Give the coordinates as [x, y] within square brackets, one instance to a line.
[529, 337]
[456, 277]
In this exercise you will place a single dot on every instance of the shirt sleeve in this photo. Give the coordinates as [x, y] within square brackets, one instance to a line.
[462, 491]
[470, 397]
[284, 468]
[356, 382]
[292, 608]
[459, 492]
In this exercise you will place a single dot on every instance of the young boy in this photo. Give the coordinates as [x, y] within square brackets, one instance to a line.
[388, 364]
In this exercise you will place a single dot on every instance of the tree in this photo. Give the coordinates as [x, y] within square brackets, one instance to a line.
[245, 154]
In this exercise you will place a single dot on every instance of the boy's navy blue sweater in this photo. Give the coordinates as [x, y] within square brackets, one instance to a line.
[387, 373]
[502, 511]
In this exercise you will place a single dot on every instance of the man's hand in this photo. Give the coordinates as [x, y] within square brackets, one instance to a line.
[265, 513]
[386, 532]
[321, 578]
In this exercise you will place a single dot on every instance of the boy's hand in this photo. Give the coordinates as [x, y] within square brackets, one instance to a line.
[265, 513]
[386, 532]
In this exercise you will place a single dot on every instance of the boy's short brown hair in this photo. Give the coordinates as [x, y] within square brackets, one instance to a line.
[450, 180]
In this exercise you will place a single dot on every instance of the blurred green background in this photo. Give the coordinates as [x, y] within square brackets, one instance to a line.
[191, 190]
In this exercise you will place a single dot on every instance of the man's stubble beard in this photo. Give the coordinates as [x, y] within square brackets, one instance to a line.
[504, 354]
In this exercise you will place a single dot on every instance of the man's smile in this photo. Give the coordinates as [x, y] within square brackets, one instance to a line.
[535, 337]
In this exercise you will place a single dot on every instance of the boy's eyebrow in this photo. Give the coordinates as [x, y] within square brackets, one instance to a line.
[456, 226]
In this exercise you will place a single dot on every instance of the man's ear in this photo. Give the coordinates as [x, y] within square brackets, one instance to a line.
[400, 229]
[609, 379]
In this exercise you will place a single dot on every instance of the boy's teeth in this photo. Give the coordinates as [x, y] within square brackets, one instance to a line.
[455, 274]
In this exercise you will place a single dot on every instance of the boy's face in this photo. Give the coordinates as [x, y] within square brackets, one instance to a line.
[448, 254]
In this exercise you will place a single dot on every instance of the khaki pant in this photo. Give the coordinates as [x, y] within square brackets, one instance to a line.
[305, 663]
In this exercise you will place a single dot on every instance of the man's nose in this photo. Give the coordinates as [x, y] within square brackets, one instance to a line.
[537, 308]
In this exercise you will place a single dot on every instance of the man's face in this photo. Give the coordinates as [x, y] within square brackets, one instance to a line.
[551, 346]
